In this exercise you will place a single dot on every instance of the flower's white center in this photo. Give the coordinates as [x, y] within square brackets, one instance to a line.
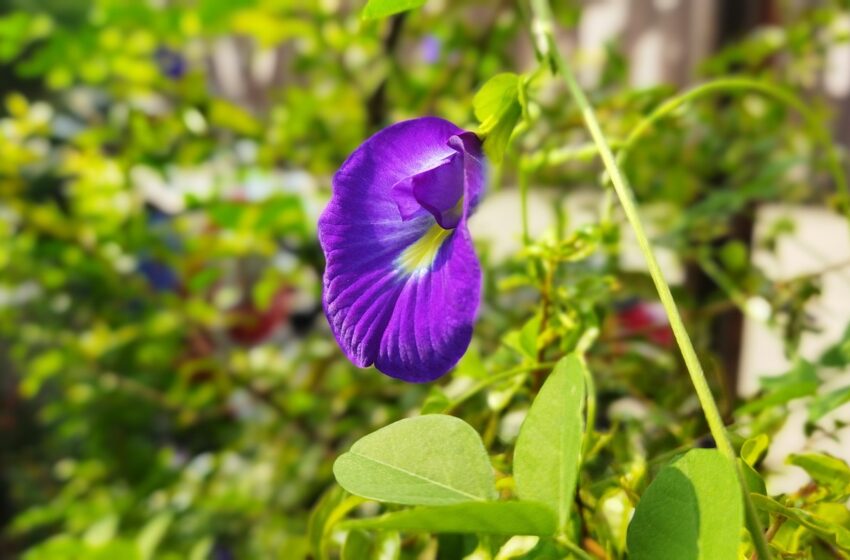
[422, 254]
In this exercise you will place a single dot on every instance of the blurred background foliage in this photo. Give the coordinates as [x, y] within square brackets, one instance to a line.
[170, 388]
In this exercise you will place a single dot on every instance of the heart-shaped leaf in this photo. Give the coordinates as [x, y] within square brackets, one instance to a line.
[429, 460]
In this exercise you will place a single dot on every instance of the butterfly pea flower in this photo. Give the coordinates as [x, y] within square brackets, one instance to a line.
[402, 282]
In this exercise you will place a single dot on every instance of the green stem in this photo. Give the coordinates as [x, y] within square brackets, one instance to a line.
[575, 549]
[543, 28]
[727, 85]
[566, 154]
[719, 277]
[523, 202]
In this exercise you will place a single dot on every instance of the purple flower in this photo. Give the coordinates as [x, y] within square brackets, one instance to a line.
[402, 282]
[171, 63]
[431, 48]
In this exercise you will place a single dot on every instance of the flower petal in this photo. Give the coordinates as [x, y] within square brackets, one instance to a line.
[363, 185]
[475, 169]
[400, 291]
[440, 191]
[431, 326]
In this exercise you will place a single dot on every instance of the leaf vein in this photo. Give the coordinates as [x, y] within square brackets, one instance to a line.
[419, 476]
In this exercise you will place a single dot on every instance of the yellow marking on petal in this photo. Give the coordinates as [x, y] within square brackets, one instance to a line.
[421, 255]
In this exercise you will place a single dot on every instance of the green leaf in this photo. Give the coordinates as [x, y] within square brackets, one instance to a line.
[801, 381]
[498, 109]
[829, 472]
[376, 9]
[754, 448]
[524, 339]
[831, 532]
[360, 545]
[821, 405]
[428, 460]
[499, 518]
[151, 535]
[838, 355]
[518, 547]
[437, 401]
[201, 550]
[753, 480]
[333, 506]
[692, 510]
[102, 531]
[548, 448]
[755, 484]
[471, 365]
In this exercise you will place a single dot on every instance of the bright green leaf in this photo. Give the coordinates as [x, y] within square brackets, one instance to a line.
[497, 107]
[524, 339]
[829, 472]
[821, 405]
[755, 484]
[615, 510]
[436, 401]
[753, 480]
[547, 456]
[376, 9]
[201, 549]
[517, 547]
[151, 535]
[332, 507]
[361, 545]
[831, 532]
[428, 460]
[501, 518]
[754, 448]
[692, 510]
[801, 381]
[102, 531]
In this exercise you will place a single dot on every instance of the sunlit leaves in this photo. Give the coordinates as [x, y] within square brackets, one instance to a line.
[18, 29]
[830, 472]
[831, 532]
[152, 534]
[376, 9]
[498, 108]
[270, 31]
[754, 449]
